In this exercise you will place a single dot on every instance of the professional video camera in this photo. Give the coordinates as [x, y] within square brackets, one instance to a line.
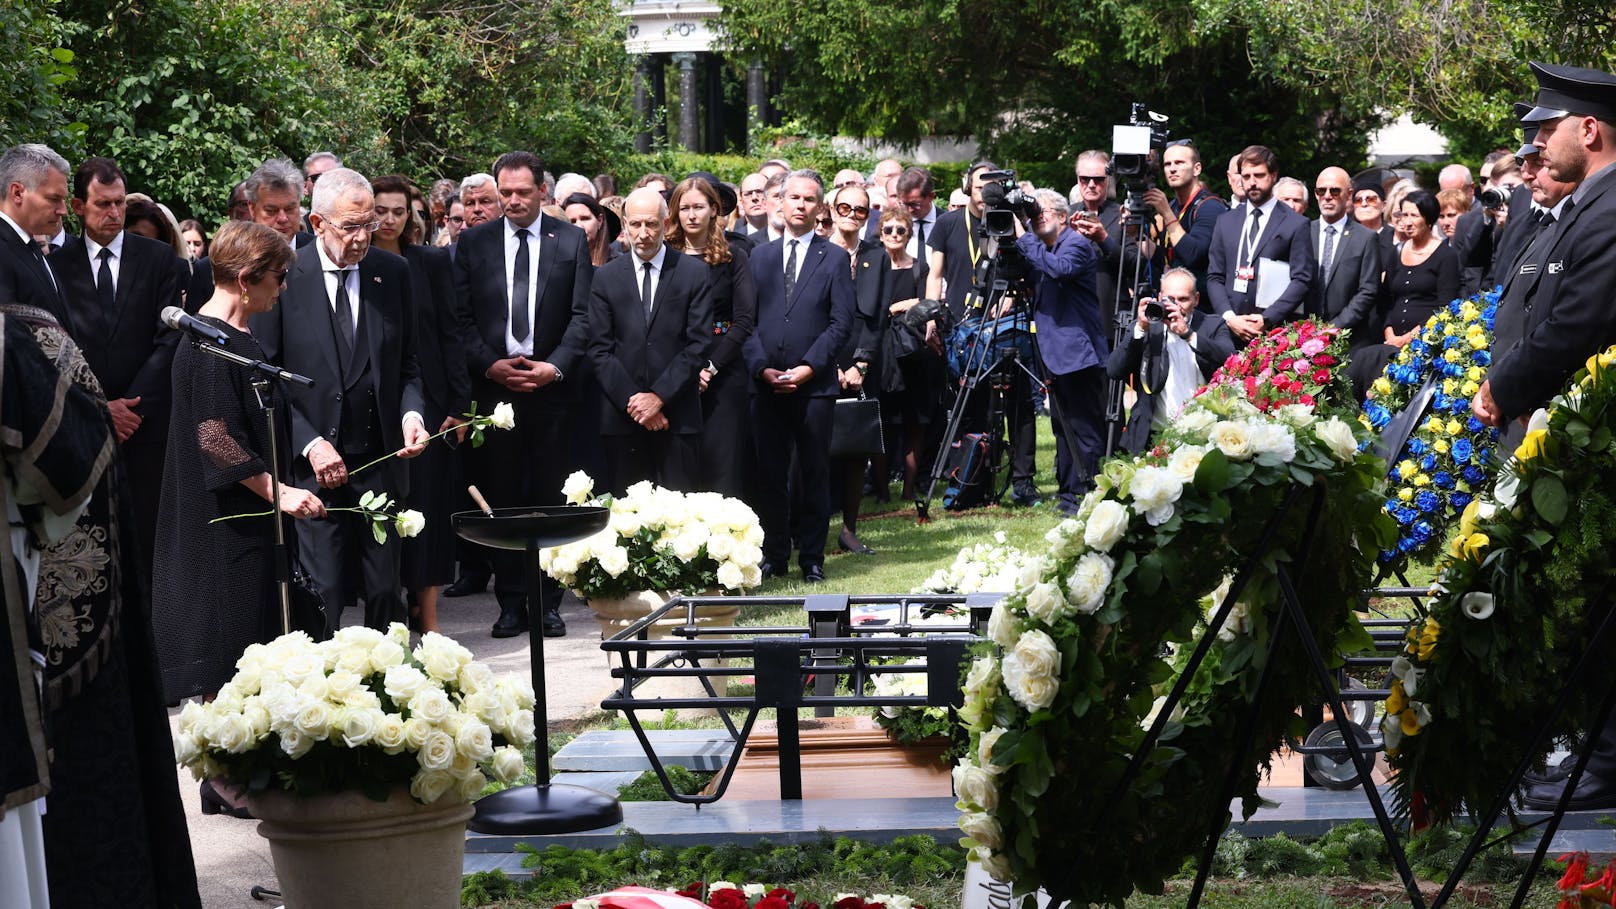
[1003, 201]
[1136, 148]
[1496, 198]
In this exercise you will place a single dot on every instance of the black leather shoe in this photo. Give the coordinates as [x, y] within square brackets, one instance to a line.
[813, 574]
[767, 570]
[465, 587]
[848, 543]
[1025, 495]
[511, 623]
[214, 803]
[554, 627]
[1593, 793]
[1554, 774]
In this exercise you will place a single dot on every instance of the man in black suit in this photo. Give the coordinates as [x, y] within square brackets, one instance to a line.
[1565, 280]
[1348, 274]
[274, 194]
[116, 285]
[805, 310]
[522, 284]
[346, 320]
[33, 179]
[1260, 234]
[650, 318]
[1169, 356]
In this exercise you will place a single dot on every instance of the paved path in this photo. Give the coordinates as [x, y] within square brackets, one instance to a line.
[230, 855]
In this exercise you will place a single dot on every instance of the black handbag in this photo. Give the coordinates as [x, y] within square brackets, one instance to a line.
[856, 427]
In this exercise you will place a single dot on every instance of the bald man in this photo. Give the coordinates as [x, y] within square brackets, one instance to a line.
[1346, 276]
[650, 318]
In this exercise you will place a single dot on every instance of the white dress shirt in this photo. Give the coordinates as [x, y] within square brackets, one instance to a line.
[350, 277]
[115, 263]
[655, 262]
[802, 251]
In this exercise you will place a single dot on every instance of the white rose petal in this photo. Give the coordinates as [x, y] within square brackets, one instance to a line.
[1232, 438]
[1087, 585]
[1032, 672]
[977, 789]
[1106, 525]
[503, 417]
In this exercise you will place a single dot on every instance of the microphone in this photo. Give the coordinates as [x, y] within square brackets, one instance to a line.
[176, 318]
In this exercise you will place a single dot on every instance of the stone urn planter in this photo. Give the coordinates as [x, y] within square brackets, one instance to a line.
[617, 613]
[347, 851]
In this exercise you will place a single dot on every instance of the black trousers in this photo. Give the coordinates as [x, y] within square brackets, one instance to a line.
[526, 465]
[785, 426]
[726, 435]
[1019, 420]
[1079, 424]
[341, 554]
[668, 460]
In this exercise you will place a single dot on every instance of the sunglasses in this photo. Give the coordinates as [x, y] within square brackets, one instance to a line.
[1083, 179]
[895, 230]
[1328, 190]
[1181, 143]
[1366, 199]
[856, 212]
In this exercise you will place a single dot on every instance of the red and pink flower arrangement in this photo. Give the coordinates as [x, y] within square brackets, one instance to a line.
[1296, 363]
[725, 895]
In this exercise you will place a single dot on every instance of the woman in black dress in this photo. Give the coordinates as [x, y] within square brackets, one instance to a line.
[907, 373]
[213, 590]
[428, 558]
[1423, 277]
[695, 207]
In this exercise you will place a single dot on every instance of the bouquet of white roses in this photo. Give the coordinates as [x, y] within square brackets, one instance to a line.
[991, 567]
[360, 712]
[659, 539]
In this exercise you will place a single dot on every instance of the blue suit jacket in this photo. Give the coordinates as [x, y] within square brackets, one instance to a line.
[1071, 328]
[1287, 238]
[809, 328]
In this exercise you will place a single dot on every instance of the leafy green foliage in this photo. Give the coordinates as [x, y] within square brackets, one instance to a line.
[647, 788]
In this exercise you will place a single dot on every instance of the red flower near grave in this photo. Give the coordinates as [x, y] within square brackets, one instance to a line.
[728, 898]
[782, 893]
[692, 890]
[772, 902]
[809, 905]
[850, 902]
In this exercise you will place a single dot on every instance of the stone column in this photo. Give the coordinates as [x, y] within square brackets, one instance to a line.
[757, 97]
[642, 104]
[659, 99]
[689, 102]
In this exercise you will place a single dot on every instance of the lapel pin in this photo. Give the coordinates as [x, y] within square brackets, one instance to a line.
[376, 279]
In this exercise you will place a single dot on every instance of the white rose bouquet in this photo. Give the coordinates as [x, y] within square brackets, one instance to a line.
[360, 712]
[659, 539]
[992, 567]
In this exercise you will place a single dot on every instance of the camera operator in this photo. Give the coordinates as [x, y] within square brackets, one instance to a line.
[1173, 350]
[1186, 220]
[1070, 326]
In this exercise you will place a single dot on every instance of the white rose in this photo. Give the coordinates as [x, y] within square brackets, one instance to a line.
[1087, 585]
[431, 705]
[441, 657]
[1002, 625]
[1194, 421]
[1032, 672]
[475, 740]
[1186, 461]
[233, 733]
[753, 574]
[1232, 439]
[471, 785]
[186, 749]
[983, 676]
[1477, 605]
[312, 718]
[295, 743]
[428, 786]
[975, 787]
[385, 654]
[577, 488]
[730, 576]
[360, 727]
[1274, 439]
[1154, 490]
[402, 683]
[984, 749]
[1063, 538]
[415, 732]
[409, 522]
[390, 733]
[1300, 416]
[343, 685]
[438, 751]
[508, 764]
[754, 891]
[1106, 525]
[521, 730]
[996, 865]
[983, 828]
[614, 561]
[1337, 436]
[476, 677]
[716, 886]
[503, 417]
[1045, 603]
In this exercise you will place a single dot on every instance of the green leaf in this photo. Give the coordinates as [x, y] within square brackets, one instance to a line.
[1212, 475]
[380, 535]
[367, 498]
[1549, 498]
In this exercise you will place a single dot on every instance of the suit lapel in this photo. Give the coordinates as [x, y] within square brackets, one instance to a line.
[545, 226]
[127, 271]
[670, 267]
[368, 334]
[305, 288]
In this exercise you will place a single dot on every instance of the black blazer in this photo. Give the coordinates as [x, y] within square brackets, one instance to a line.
[1347, 300]
[1213, 345]
[1517, 233]
[129, 350]
[662, 357]
[296, 334]
[25, 279]
[809, 328]
[735, 302]
[1286, 237]
[439, 349]
[872, 292]
[561, 310]
[1559, 295]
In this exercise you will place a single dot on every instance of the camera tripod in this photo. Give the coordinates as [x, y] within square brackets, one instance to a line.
[1122, 312]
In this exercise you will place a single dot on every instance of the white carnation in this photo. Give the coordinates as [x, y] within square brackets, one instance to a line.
[1194, 421]
[1274, 439]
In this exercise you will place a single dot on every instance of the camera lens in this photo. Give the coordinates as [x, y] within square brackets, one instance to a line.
[1154, 311]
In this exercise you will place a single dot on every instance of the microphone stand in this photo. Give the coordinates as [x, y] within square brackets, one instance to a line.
[261, 374]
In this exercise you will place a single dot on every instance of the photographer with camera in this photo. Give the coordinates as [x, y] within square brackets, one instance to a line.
[1070, 327]
[1173, 350]
[1186, 220]
[1098, 218]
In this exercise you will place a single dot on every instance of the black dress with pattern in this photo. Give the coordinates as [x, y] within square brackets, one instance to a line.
[213, 589]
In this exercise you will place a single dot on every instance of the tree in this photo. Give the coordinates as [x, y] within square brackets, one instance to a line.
[35, 68]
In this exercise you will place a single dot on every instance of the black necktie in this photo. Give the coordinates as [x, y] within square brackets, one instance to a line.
[519, 291]
[103, 283]
[342, 318]
[645, 291]
[1329, 252]
[1250, 246]
[791, 271]
[920, 237]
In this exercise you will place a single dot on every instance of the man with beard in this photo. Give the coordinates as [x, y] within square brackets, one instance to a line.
[1260, 236]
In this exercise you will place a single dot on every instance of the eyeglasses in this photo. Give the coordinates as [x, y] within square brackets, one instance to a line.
[279, 274]
[1365, 198]
[1328, 190]
[894, 230]
[456, 219]
[1083, 179]
[856, 212]
[348, 230]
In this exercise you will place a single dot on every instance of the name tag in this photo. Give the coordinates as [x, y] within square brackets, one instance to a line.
[1243, 278]
[1556, 267]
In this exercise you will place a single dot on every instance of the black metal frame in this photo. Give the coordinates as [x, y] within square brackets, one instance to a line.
[786, 662]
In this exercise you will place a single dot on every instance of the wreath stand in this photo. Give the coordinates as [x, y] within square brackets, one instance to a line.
[1291, 617]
